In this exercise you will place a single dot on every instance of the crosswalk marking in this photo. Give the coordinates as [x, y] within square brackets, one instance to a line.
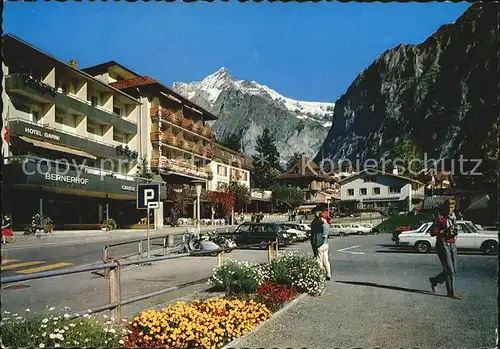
[43, 268]
[20, 265]
[7, 261]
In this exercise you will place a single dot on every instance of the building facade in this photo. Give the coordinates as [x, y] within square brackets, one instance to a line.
[376, 189]
[318, 187]
[72, 144]
[175, 138]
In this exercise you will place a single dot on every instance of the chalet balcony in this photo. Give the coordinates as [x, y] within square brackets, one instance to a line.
[176, 120]
[181, 168]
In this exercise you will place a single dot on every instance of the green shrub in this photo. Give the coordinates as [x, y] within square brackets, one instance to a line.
[237, 277]
[297, 269]
[54, 330]
[390, 224]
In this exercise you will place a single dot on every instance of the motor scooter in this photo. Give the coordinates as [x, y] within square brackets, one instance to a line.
[207, 243]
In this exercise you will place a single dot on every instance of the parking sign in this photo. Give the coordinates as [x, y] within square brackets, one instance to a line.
[148, 195]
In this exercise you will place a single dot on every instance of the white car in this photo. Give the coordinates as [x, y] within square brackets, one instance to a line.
[339, 230]
[469, 238]
[294, 230]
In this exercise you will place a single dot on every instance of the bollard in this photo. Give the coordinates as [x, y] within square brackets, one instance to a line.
[115, 292]
[270, 252]
[220, 258]
[171, 241]
[164, 246]
[140, 250]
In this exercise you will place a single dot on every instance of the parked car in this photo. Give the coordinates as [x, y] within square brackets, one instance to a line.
[295, 231]
[373, 229]
[469, 238]
[360, 229]
[339, 230]
[261, 233]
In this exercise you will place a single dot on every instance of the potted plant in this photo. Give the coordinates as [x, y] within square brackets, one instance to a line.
[187, 145]
[108, 225]
[186, 123]
[178, 117]
[180, 143]
[119, 150]
[154, 163]
[154, 136]
[197, 126]
[154, 112]
[175, 141]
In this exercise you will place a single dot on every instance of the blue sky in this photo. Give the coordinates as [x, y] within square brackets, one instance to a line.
[308, 51]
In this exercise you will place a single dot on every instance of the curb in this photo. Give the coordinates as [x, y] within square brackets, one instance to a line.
[236, 341]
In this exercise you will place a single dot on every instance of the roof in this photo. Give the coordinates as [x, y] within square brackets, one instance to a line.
[373, 171]
[104, 68]
[146, 80]
[460, 191]
[305, 167]
[78, 71]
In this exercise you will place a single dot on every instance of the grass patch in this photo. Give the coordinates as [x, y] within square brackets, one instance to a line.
[390, 224]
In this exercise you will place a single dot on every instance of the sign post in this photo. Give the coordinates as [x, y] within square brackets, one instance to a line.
[148, 197]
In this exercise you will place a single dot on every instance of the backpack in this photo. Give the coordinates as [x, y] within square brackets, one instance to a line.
[438, 225]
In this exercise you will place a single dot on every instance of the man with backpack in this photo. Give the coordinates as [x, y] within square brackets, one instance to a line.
[445, 232]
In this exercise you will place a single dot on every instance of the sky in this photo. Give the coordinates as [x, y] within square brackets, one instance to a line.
[305, 51]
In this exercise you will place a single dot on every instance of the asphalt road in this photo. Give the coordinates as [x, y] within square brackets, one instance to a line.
[378, 297]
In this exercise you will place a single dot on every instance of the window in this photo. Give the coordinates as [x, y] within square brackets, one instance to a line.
[65, 88]
[394, 190]
[222, 170]
[59, 119]
[117, 110]
[90, 128]
[350, 192]
[362, 191]
[93, 100]
[376, 191]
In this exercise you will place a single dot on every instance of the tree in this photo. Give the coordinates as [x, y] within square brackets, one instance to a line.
[241, 193]
[225, 200]
[293, 160]
[287, 196]
[406, 157]
[490, 162]
[176, 193]
[266, 161]
[232, 141]
[143, 169]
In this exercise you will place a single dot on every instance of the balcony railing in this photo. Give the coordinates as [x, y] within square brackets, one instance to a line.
[176, 119]
[182, 167]
[165, 139]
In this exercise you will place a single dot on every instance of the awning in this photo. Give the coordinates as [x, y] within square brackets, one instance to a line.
[55, 147]
[306, 207]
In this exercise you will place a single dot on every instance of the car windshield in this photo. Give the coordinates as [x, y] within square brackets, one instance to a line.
[244, 228]
[471, 227]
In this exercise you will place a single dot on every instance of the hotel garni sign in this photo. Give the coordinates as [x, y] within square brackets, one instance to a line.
[44, 134]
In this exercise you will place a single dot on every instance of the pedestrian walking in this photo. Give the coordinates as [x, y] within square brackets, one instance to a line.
[320, 242]
[7, 235]
[444, 230]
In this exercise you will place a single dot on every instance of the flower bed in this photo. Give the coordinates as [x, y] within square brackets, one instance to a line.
[253, 293]
[54, 330]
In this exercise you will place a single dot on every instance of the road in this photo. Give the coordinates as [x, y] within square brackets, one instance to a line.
[378, 297]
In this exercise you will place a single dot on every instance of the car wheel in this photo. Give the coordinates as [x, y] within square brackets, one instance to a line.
[423, 246]
[490, 247]
[342, 234]
[360, 233]
[375, 232]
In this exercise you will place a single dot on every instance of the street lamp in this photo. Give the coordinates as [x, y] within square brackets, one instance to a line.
[198, 194]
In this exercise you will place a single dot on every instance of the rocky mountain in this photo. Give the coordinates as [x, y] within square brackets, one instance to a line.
[247, 107]
[442, 93]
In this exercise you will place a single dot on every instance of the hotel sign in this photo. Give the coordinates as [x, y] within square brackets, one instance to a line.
[67, 179]
[40, 133]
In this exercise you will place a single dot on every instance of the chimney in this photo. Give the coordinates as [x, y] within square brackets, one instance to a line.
[73, 63]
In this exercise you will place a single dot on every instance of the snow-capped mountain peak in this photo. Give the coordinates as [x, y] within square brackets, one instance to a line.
[212, 86]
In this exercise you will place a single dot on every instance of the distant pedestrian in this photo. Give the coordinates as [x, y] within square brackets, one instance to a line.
[316, 225]
[444, 230]
[320, 243]
[7, 235]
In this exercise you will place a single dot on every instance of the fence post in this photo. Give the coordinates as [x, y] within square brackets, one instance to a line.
[220, 258]
[105, 259]
[115, 292]
[165, 242]
[140, 250]
[171, 241]
[270, 252]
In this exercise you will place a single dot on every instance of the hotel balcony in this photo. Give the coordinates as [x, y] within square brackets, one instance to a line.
[53, 137]
[25, 85]
[229, 157]
[176, 121]
[178, 168]
[176, 143]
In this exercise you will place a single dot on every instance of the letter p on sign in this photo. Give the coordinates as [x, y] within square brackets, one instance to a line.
[148, 196]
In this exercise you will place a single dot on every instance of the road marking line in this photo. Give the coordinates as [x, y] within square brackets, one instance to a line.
[19, 265]
[43, 268]
[353, 252]
[347, 248]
